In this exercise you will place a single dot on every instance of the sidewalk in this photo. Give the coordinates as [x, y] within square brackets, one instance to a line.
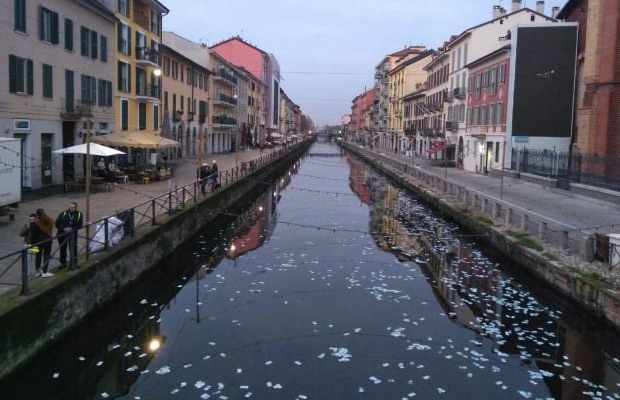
[582, 213]
[102, 204]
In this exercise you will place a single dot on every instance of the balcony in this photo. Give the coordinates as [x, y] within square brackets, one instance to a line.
[222, 99]
[145, 55]
[224, 120]
[459, 93]
[75, 109]
[225, 76]
[147, 91]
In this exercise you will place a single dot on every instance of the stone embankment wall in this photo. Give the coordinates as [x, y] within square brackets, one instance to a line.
[30, 323]
[600, 299]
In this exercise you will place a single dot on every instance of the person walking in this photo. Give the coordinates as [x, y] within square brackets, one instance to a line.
[68, 223]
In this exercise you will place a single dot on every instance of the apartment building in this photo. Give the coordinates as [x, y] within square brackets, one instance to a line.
[262, 65]
[254, 123]
[403, 79]
[380, 113]
[185, 102]
[137, 104]
[223, 94]
[60, 63]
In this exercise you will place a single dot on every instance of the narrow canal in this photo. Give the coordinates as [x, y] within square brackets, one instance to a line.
[333, 284]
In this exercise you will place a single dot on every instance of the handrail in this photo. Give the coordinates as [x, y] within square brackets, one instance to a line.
[148, 212]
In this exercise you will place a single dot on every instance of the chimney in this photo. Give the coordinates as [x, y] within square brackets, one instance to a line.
[497, 11]
[516, 5]
[503, 11]
[540, 7]
[554, 12]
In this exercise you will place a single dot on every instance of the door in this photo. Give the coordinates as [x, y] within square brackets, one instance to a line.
[46, 158]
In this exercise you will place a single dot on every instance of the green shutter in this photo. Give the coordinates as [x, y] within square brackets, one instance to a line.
[30, 77]
[108, 94]
[48, 89]
[119, 73]
[128, 40]
[93, 44]
[104, 49]
[119, 33]
[68, 34]
[20, 15]
[54, 27]
[84, 41]
[12, 73]
[41, 12]
[128, 78]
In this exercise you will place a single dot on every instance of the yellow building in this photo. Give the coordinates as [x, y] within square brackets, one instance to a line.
[137, 104]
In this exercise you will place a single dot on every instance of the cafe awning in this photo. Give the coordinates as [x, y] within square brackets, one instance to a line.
[136, 139]
[437, 146]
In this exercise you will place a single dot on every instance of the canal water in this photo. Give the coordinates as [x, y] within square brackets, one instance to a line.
[332, 284]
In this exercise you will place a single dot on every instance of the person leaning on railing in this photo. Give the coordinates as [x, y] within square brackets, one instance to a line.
[39, 231]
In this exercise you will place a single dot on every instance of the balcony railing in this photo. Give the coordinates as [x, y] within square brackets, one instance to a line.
[148, 90]
[73, 108]
[225, 75]
[223, 120]
[146, 54]
[226, 99]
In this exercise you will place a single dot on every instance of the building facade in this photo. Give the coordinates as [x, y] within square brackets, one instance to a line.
[224, 116]
[60, 64]
[185, 101]
[137, 104]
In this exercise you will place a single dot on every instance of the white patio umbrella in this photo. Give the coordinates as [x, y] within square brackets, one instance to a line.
[95, 150]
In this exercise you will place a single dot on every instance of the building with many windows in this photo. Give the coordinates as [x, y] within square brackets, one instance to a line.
[224, 122]
[59, 86]
[185, 101]
[137, 104]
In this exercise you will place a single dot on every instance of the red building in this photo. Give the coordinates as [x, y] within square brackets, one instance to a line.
[597, 111]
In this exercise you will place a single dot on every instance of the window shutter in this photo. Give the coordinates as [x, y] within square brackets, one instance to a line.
[29, 72]
[83, 41]
[108, 91]
[129, 78]
[119, 35]
[93, 44]
[54, 27]
[41, 13]
[128, 41]
[119, 71]
[68, 34]
[104, 49]
[12, 73]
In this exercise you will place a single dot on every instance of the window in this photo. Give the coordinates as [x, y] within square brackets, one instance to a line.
[154, 22]
[155, 117]
[141, 116]
[88, 42]
[182, 101]
[48, 79]
[68, 34]
[182, 69]
[166, 101]
[141, 49]
[124, 38]
[124, 77]
[155, 52]
[89, 89]
[105, 93]
[124, 114]
[104, 49]
[189, 76]
[496, 152]
[175, 70]
[20, 15]
[20, 75]
[123, 7]
[501, 73]
[166, 66]
[48, 26]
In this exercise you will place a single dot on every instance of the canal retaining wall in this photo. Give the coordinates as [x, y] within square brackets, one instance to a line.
[599, 298]
[30, 323]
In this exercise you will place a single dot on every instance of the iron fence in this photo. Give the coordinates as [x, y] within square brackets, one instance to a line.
[587, 169]
[132, 219]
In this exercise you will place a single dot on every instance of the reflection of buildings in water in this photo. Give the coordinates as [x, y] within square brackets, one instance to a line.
[359, 182]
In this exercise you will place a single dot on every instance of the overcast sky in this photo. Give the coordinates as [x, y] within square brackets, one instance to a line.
[328, 49]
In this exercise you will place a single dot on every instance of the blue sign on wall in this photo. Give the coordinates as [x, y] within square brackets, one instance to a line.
[522, 139]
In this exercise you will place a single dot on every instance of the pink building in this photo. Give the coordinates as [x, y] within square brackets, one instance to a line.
[480, 149]
[262, 65]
